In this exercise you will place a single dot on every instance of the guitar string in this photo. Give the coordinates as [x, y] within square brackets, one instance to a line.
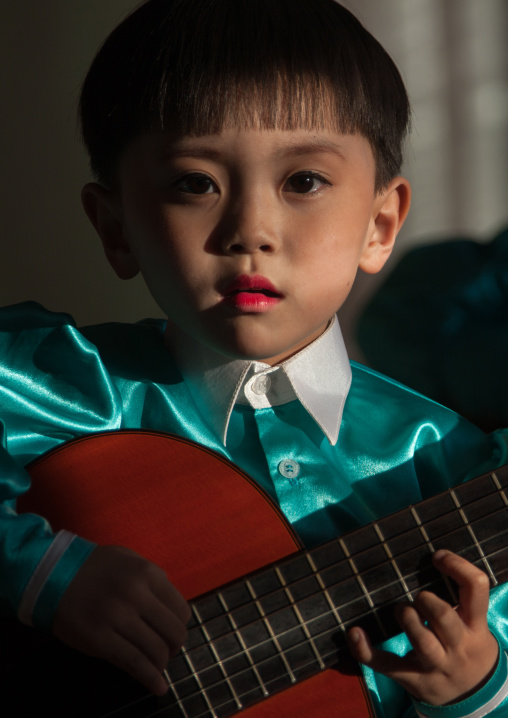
[218, 706]
[346, 624]
[387, 562]
[357, 618]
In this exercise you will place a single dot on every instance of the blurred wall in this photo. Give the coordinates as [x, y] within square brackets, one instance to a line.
[452, 54]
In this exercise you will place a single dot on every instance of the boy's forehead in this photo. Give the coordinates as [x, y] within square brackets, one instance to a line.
[277, 144]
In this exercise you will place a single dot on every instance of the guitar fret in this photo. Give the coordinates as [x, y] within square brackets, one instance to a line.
[264, 690]
[324, 590]
[422, 529]
[432, 550]
[473, 536]
[393, 562]
[274, 638]
[296, 610]
[175, 694]
[218, 660]
[198, 681]
[363, 586]
[499, 487]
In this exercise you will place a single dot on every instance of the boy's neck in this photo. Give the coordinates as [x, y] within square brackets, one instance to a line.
[175, 337]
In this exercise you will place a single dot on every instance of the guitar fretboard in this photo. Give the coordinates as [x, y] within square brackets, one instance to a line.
[288, 621]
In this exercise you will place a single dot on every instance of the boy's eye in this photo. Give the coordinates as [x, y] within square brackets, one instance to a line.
[305, 183]
[195, 184]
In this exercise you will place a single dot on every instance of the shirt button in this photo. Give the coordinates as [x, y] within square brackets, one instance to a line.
[261, 384]
[289, 468]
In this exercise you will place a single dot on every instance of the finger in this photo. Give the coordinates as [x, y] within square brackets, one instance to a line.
[156, 578]
[442, 620]
[405, 670]
[126, 656]
[364, 652]
[473, 586]
[140, 635]
[171, 597]
[426, 643]
[166, 624]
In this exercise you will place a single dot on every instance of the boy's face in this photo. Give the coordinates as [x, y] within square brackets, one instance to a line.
[249, 240]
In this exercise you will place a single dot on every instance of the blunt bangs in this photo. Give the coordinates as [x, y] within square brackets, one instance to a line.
[201, 66]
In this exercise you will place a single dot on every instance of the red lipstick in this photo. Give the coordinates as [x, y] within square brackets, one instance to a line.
[251, 294]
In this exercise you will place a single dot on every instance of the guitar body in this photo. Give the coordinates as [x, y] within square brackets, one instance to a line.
[192, 512]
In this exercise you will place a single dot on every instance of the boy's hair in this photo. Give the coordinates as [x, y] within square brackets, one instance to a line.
[200, 66]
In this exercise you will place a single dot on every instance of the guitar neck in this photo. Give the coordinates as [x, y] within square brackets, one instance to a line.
[288, 621]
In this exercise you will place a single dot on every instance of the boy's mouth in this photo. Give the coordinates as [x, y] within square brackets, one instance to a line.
[251, 294]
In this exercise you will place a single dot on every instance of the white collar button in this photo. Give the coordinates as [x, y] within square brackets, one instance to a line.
[261, 384]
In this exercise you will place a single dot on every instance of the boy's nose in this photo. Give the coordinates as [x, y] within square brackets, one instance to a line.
[248, 245]
[250, 228]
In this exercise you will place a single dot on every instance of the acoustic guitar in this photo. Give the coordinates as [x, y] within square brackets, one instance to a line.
[267, 635]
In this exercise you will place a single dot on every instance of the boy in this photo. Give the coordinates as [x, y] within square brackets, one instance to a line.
[247, 158]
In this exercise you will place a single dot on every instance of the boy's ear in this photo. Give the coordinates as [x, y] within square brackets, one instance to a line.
[390, 210]
[105, 213]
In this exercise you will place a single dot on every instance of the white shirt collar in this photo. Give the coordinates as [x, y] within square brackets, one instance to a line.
[319, 376]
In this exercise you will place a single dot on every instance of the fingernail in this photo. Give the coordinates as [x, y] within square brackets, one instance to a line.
[355, 636]
[441, 553]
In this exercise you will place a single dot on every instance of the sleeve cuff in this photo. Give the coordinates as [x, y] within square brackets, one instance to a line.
[480, 704]
[51, 577]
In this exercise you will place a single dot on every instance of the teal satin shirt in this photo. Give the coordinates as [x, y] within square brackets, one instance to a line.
[395, 447]
[439, 323]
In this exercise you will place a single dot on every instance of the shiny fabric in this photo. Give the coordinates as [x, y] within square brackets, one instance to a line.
[395, 447]
[439, 323]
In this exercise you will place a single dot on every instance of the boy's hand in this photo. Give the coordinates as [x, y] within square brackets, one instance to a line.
[122, 608]
[454, 654]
